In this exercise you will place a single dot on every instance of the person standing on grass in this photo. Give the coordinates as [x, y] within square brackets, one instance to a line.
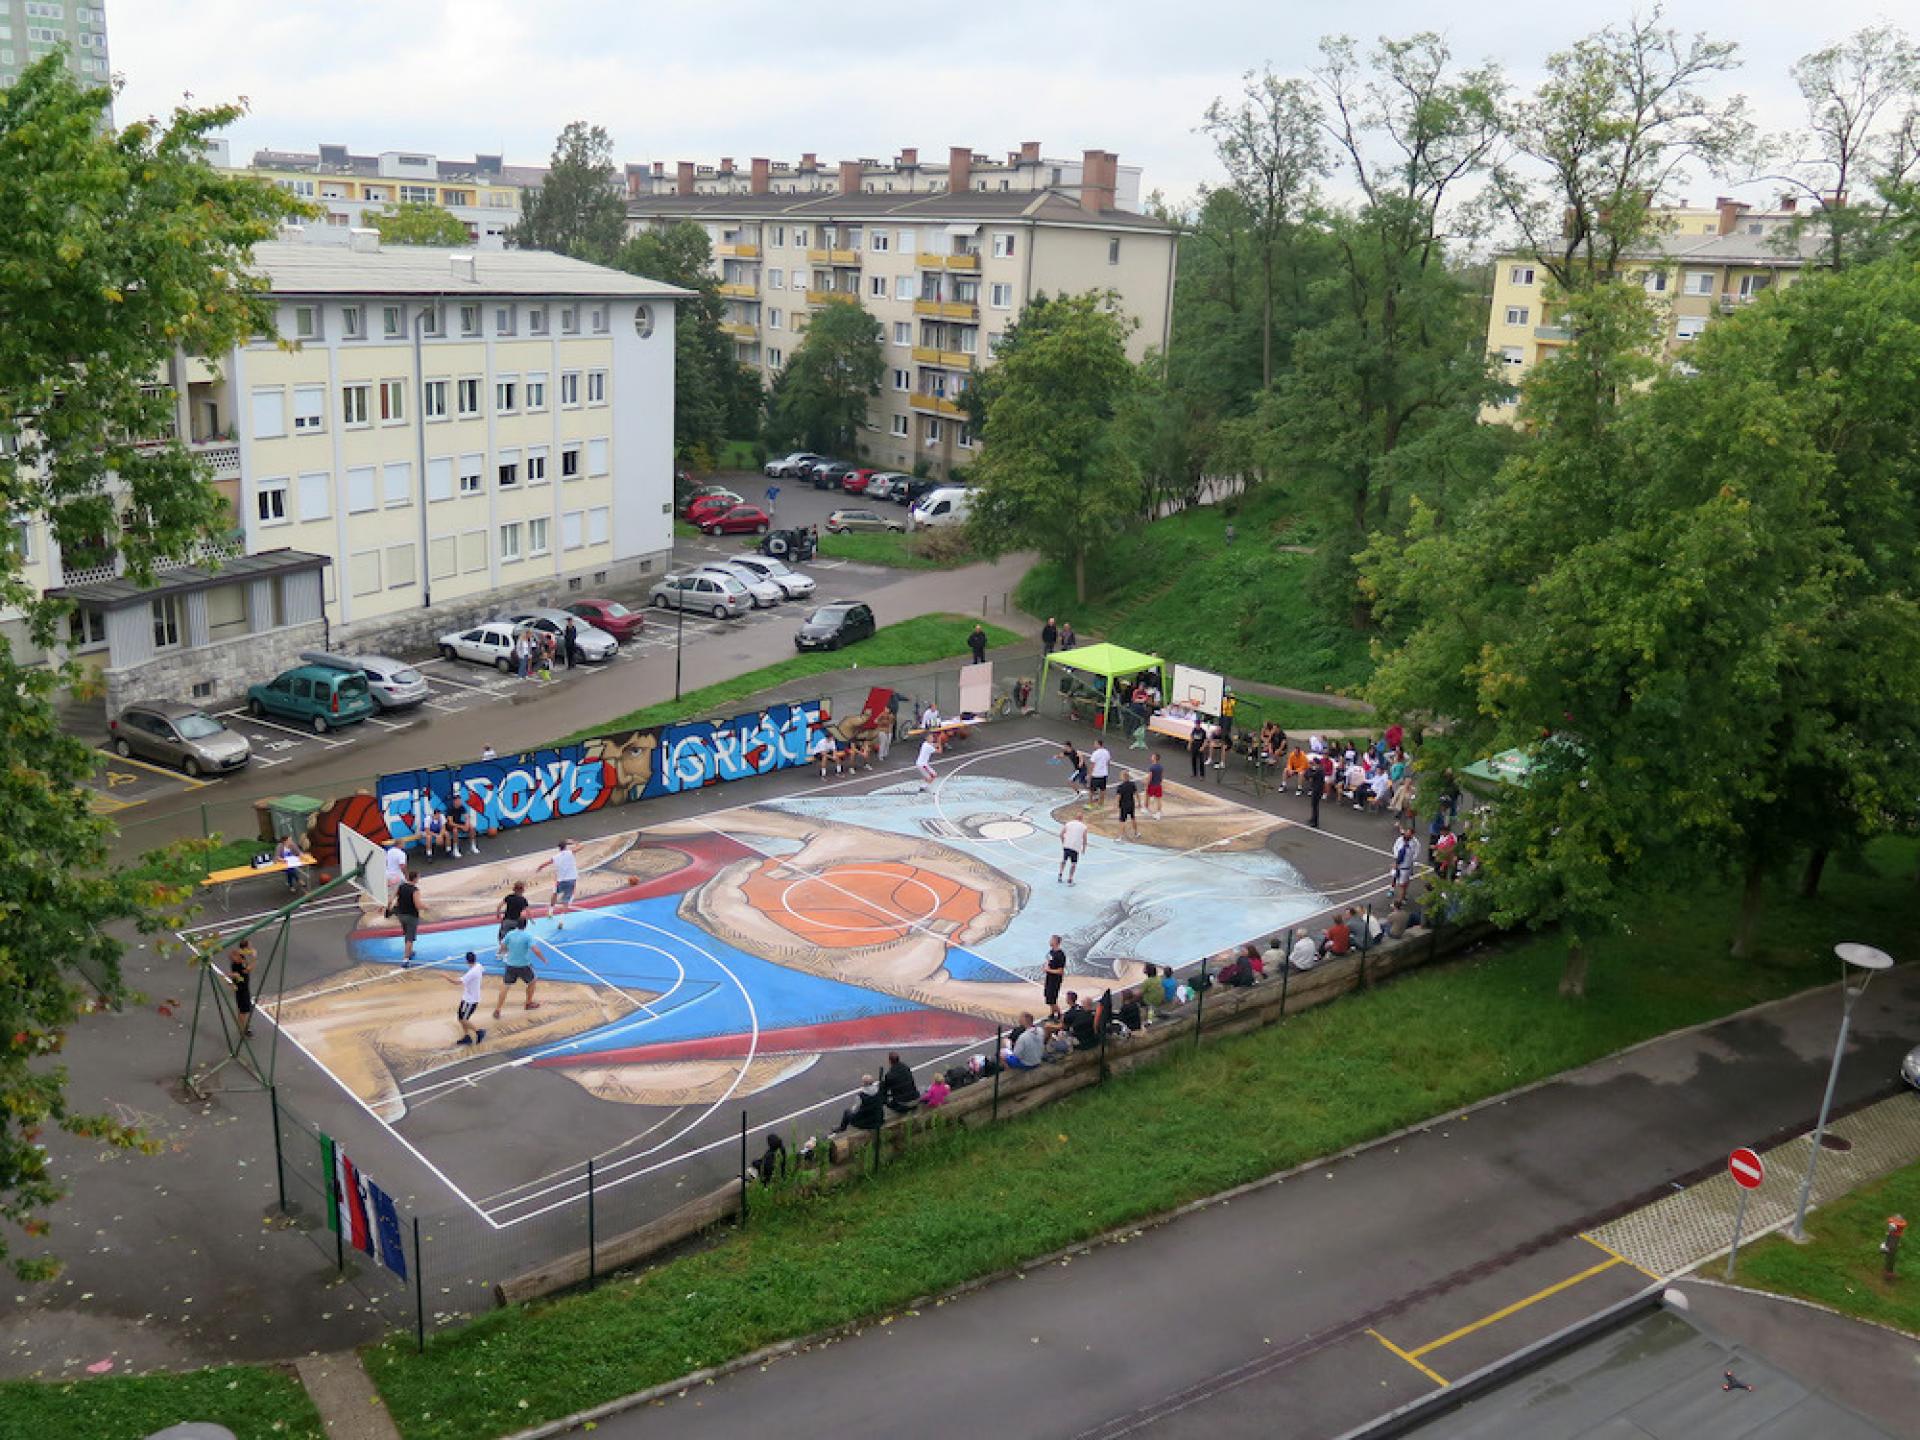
[1068, 640]
[566, 874]
[406, 909]
[469, 982]
[510, 911]
[1049, 636]
[1073, 844]
[1156, 785]
[1098, 764]
[925, 763]
[1056, 974]
[977, 643]
[1316, 787]
[521, 951]
[1126, 794]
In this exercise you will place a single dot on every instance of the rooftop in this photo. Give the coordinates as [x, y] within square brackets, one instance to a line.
[337, 160]
[302, 267]
[1047, 207]
[124, 590]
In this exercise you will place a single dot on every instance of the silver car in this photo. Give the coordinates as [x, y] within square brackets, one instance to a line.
[596, 645]
[886, 485]
[394, 684]
[792, 583]
[720, 596]
[764, 593]
[176, 734]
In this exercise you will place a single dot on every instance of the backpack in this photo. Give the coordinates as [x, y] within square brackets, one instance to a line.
[958, 1077]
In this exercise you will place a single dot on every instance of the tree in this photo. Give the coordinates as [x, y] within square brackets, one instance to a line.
[1272, 148]
[819, 401]
[578, 209]
[121, 248]
[1056, 474]
[414, 223]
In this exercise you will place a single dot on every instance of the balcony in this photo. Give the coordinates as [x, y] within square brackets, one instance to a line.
[832, 297]
[739, 330]
[737, 250]
[927, 260]
[221, 456]
[951, 359]
[844, 257]
[819, 257]
[937, 405]
[968, 261]
[1552, 334]
[741, 290]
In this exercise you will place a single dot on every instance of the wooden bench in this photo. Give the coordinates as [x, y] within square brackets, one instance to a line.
[223, 880]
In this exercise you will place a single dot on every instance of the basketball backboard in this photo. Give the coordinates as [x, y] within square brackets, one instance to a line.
[355, 849]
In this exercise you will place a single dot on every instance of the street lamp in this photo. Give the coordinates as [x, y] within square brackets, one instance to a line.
[679, 637]
[1868, 961]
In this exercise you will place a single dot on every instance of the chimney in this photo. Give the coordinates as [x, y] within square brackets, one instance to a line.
[809, 160]
[683, 178]
[959, 169]
[908, 159]
[1730, 211]
[849, 177]
[1789, 203]
[1098, 170]
[758, 184]
[465, 267]
[364, 240]
[726, 165]
[1030, 152]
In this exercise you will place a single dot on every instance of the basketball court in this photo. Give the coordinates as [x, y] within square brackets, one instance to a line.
[754, 958]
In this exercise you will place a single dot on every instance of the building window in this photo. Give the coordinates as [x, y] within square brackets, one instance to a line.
[779, 235]
[353, 404]
[902, 332]
[536, 465]
[309, 408]
[877, 286]
[166, 622]
[433, 400]
[510, 543]
[393, 401]
[1517, 314]
[316, 495]
[506, 395]
[1512, 356]
[468, 395]
[572, 529]
[963, 437]
[776, 279]
[400, 571]
[363, 572]
[537, 536]
[535, 392]
[397, 478]
[416, 195]
[392, 322]
[360, 496]
[1000, 296]
[599, 319]
[597, 456]
[902, 380]
[774, 316]
[1688, 327]
[598, 520]
[270, 502]
[933, 432]
[439, 478]
[879, 240]
[1520, 274]
[569, 389]
[469, 320]
[900, 426]
[508, 470]
[596, 387]
[569, 319]
[269, 414]
[1752, 285]
[473, 551]
[536, 319]
[1003, 247]
[903, 287]
[800, 237]
[1113, 251]
[775, 359]
[471, 469]
[1699, 282]
[570, 460]
[306, 322]
[430, 321]
[1655, 281]
[503, 319]
[87, 629]
[353, 322]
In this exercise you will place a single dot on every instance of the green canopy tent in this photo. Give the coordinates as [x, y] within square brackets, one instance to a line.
[1509, 767]
[1097, 667]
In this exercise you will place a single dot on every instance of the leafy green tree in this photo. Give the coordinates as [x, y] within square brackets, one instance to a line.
[819, 401]
[121, 248]
[1057, 474]
[414, 223]
[578, 209]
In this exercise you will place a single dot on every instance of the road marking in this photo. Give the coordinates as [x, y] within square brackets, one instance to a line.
[1437, 1379]
[179, 775]
[1513, 1309]
[314, 735]
[1609, 1250]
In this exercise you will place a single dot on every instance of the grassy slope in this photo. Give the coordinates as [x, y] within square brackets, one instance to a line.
[254, 1403]
[910, 642]
[980, 1201]
[1840, 1265]
[1177, 589]
[899, 551]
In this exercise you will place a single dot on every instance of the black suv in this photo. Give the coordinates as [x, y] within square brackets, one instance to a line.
[829, 474]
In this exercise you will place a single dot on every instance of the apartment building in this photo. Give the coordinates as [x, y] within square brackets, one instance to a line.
[431, 435]
[1708, 262]
[483, 193]
[31, 29]
[945, 271]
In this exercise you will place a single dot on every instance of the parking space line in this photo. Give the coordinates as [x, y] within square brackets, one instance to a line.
[1609, 1250]
[1515, 1308]
[389, 724]
[1427, 1371]
[314, 735]
[178, 775]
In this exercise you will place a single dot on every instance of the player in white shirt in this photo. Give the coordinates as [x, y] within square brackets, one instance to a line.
[396, 866]
[1073, 844]
[469, 981]
[566, 874]
[925, 764]
[1098, 765]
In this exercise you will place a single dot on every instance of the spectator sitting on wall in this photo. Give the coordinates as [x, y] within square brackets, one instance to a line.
[1398, 919]
[1305, 953]
[1028, 1047]
[772, 1161]
[1079, 1024]
[1130, 1015]
[897, 1084]
[868, 1111]
[936, 1093]
[1339, 937]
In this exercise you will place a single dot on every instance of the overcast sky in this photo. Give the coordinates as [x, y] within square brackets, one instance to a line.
[674, 81]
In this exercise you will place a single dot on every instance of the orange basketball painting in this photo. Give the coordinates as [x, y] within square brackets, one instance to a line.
[851, 905]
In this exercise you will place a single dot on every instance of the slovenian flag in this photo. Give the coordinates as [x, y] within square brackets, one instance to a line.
[347, 1214]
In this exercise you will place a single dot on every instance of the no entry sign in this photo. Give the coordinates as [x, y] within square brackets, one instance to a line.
[1746, 1169]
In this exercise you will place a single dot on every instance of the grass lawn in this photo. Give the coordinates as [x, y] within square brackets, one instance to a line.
[1840, 1265]
[1176, 588]
[254, 1403]
[910, 642]
[738, 455]
[979, 1201]
[903, 552]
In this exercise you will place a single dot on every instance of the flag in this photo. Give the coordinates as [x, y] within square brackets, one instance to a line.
[347, 1207]
[386, 1224]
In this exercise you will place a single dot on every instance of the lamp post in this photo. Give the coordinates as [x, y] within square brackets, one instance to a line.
[679, 637]
[1868, 961]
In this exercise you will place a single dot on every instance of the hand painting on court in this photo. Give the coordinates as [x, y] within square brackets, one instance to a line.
[714, 957]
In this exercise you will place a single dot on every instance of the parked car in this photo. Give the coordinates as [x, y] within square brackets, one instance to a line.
[937, 508]
[609, 615]
[736, 520]
[847, 522]
[787, 467]
[596, 645]
[684, 496]
[762, 591]
[322, 696]
[721, 596]
[885, 484]
[394, 684]
[830, 475]
[702, 505]
[488, 644]
[832, 626]
[914, 487]
[794, 544]
[176, 734]
[792, 583]
[855, 482]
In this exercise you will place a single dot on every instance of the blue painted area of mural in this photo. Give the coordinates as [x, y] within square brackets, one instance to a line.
[568, 780]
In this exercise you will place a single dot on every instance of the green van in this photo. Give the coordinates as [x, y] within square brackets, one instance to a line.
[317, 695]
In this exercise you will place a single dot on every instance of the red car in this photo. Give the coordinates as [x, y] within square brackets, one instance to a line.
[716, 501]
[609, 615]
[854, 482]
[737, 520]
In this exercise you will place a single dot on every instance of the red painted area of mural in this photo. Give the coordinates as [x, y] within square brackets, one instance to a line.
[918, 1027]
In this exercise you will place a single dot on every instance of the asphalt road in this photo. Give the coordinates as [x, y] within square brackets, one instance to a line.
[1290, 1309]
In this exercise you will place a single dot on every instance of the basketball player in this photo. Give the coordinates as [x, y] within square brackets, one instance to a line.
[1073, 844]
[925, 765]
[469, 982]
[566, 874]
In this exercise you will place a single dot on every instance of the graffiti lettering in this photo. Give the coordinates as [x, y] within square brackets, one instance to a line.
[713, 752]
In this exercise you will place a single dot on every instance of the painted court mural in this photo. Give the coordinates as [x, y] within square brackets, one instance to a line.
[710, 958]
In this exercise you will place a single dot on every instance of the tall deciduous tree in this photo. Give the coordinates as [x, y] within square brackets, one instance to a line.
[819, 401]
[578, 209]
[414, 223]
[120, 249]
[1057, 475]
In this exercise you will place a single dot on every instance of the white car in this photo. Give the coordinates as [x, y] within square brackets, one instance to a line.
[788, 466]
[762, 591]
[596, 645]
[721, 596]
[792, 583]
[886, 485]
[488, 644]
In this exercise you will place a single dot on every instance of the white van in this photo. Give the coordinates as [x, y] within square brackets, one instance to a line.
[945, 506]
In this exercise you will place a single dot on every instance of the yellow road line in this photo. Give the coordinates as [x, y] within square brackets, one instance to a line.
[1513, 1309]
[1424, 1370]
[178, 776]
[1609, 1250]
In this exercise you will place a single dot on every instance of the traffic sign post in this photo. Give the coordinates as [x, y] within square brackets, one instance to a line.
[1749, 1173]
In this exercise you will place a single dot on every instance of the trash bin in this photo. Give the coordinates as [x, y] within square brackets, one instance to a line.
[292, 814]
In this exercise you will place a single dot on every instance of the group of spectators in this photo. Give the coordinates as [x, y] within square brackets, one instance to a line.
[1377, 775]
[535, 652]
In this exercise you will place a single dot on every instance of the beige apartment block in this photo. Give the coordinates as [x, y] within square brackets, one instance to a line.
[431, 434]
[945, 269]
[1706, 264]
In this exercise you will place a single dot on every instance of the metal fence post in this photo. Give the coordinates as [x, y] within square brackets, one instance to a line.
[593, 1269]
[419, 1291]
[1103, 1048]
[279, 1159]
[1000, 1064]
[743, 1166]
[876, 1141]
[1286, 972]
[1199, 1003]
[1366, 943]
